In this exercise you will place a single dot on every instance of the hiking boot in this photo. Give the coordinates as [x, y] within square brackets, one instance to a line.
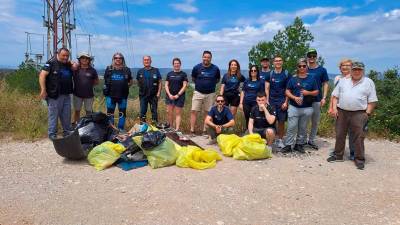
[286, 149]
[312, 145]
[212, 141]
[279, 143]
[333, 158]
[299, 148]
[360, 165]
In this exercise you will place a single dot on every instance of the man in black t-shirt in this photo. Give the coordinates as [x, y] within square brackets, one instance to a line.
[56, 86]
[262, 119]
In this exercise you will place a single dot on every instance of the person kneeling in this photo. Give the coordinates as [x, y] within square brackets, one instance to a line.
[219, 120]
[262, 119]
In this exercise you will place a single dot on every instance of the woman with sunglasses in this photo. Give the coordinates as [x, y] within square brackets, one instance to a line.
[117, 79]
[250, 88]
[301, 91]
[230, 86]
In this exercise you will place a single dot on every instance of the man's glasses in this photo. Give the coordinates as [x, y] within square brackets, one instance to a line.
[302, 66]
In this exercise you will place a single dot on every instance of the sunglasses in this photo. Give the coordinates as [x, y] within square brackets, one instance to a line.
[253, 70]
[220, 101]
[118, 58]
[302, 66]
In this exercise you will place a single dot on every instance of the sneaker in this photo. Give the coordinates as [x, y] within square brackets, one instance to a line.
[299, 148]
[212, 141]
[360, 165]
[334, 159]
[312, 145]
[192, 134]
[279, 143]
[286, 149]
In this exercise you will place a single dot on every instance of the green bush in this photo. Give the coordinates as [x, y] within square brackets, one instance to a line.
[24, 80]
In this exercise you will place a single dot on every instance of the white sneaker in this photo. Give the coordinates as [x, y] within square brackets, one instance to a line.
[279, 143]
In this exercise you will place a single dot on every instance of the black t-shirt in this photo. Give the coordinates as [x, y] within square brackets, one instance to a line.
[118, 80]
[175, 81]
[63, 74]
[84, 81]
[259, 117]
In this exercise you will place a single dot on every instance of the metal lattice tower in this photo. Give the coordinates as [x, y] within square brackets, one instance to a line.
[59, 19]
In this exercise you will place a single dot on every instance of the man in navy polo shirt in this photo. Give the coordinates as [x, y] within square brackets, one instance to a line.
[219, 120]
[275, 87]
[265, 70]
[205, 77]
[321, 76]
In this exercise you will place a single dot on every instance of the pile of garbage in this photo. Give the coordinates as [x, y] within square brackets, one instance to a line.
[104, 146]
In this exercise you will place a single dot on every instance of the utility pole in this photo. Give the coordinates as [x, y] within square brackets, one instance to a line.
[59, 19]
[89, 36]
[36, 53]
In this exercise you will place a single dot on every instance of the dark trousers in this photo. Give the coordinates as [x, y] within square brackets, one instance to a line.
[355, 121]
[246, 110]
[144, 102]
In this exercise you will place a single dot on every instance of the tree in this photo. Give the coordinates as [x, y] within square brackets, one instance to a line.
[291, 43]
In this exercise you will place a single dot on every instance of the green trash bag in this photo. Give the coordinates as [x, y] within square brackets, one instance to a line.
[104, 155]
[227, 142]
[252, 147]
[196, 158]
[161, 156]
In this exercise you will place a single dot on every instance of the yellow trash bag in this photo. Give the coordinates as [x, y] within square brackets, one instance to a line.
[104, 155]
[252, 147]
[161, 156]
[227, 142]
[196, 158]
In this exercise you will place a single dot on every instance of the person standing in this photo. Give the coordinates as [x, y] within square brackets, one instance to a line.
[230, 86]
[175, 86]
[301, 91]
[219, 120]
[150, 84]
[56, 87]
[250, 88]
[265, 68]
[84, 80]
[117, 80]
[205, 76]
[321, 76]
[262, 119]
[354, 99]
[275, 87]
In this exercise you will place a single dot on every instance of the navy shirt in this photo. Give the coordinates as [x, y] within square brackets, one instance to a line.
[64, 73]
[220, 118]
[263, 75]
[232, 83]
[259, 117]
[205, 78]
[119, 79]
[250, 89]
[277, 86]
[321, 75]
[296, 84]
[175, 81]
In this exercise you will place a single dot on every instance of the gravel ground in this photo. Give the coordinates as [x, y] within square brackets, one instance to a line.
[39, 187]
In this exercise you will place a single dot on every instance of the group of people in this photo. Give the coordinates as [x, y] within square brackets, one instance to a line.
[268, 98]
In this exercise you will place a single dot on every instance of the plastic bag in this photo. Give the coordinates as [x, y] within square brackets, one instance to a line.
[104, 155]
[161, 156]
[227, 142]
[196, 158]
[252, 147]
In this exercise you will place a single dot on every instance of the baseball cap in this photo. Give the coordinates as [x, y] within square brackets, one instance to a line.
[312, 51]
[358, 65]
[84, 54]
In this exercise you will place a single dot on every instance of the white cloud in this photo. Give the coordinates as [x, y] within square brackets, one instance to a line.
[321, 12]
[186, 6]
[191, 21]
[392, 15]
[116, 13]
[136, 2]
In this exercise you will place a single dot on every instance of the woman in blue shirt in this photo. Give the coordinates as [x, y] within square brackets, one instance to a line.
[230, 86]
[301, 91]
[250, 88]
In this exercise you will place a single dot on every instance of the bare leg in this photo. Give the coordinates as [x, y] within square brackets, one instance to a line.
[193, 115]
[270, 134]
[170, 113]
[233, 110]
[77, 115]
[178, 112]
[281, 129]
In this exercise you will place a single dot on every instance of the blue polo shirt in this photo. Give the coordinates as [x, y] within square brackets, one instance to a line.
[205, 78]
[263, 75]
[277, 86]
[250, 89]
[232, 83]
[321, 76]
[296, 84]
[220, 118]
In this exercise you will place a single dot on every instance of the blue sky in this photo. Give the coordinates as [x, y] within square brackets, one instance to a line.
[366, 30]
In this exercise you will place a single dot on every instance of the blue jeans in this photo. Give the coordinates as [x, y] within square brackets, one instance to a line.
[144, 102]
[297, 125]
[111, 103]
[59, 108]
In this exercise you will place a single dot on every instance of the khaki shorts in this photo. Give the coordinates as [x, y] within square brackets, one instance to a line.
[77, 102]
[205, 100]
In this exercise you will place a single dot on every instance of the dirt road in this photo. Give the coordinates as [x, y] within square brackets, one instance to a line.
[39, 187]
